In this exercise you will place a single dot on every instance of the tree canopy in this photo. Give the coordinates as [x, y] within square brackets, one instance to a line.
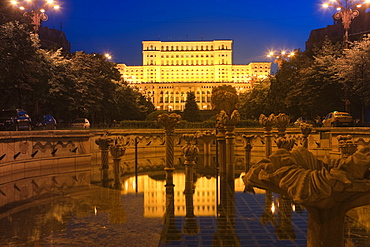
[67, 86]
[315, 85]
[191, 110]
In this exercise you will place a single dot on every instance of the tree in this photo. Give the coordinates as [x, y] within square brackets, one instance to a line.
[316, 92]
[23, 69]
[354, 72]
[191, 110]
[254, 103]
[284, 93]
[130, 104]
[96, 80]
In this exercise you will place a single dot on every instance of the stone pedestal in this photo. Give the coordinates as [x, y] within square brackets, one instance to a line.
[104, 144]
[117, 151]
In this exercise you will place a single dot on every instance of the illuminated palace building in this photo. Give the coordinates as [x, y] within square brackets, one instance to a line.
[171, 69]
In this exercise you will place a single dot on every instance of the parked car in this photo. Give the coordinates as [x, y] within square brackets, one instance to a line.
[16, 119]
[44, 122]
[337, 118]
[82, 123]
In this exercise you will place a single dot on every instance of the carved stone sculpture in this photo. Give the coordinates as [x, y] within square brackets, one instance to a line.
[327, 193]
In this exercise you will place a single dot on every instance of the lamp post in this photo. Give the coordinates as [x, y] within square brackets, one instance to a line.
[280, 56]
[347, 11]
[36, 9]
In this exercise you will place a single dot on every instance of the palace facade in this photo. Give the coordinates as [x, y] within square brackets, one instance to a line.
[171, 69]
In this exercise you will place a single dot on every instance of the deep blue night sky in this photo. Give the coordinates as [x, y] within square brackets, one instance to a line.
[118, 27]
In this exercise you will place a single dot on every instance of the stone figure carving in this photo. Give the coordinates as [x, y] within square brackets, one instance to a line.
[326, 192]
[306, 179]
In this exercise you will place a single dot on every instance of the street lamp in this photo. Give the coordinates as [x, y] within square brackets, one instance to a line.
[347, 11]
[108, 56]
[35, 10]
[280, 56]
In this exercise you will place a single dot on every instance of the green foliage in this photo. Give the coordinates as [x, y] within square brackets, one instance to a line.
[209, 124]
[80, 85]
[303, 86]
[246, 123]
[191, 110]
[24, 69]
[153, 116]
[254, 103]
[353, 70]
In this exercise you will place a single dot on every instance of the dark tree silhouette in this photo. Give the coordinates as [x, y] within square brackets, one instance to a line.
[191, 111]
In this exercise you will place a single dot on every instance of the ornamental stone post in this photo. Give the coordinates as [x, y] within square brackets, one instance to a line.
[267, 123]
[230, 123]
[117, 151]
[281, 122]
[190, 152]
[104, 143]
[306, 131]
[169, 122]
[207, 136]
[247, 150]
[221, 144]
[224, 100]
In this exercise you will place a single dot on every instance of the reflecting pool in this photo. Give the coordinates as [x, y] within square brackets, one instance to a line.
[200, 210]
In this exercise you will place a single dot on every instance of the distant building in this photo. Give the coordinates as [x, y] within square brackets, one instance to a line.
[171, 69]
[359, 26]
[52, 39]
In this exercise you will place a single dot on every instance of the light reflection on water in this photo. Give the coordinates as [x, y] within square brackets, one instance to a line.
[214, 213]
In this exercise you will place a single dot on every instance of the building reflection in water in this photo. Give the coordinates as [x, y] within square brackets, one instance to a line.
[184, 209]
[225, 235]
